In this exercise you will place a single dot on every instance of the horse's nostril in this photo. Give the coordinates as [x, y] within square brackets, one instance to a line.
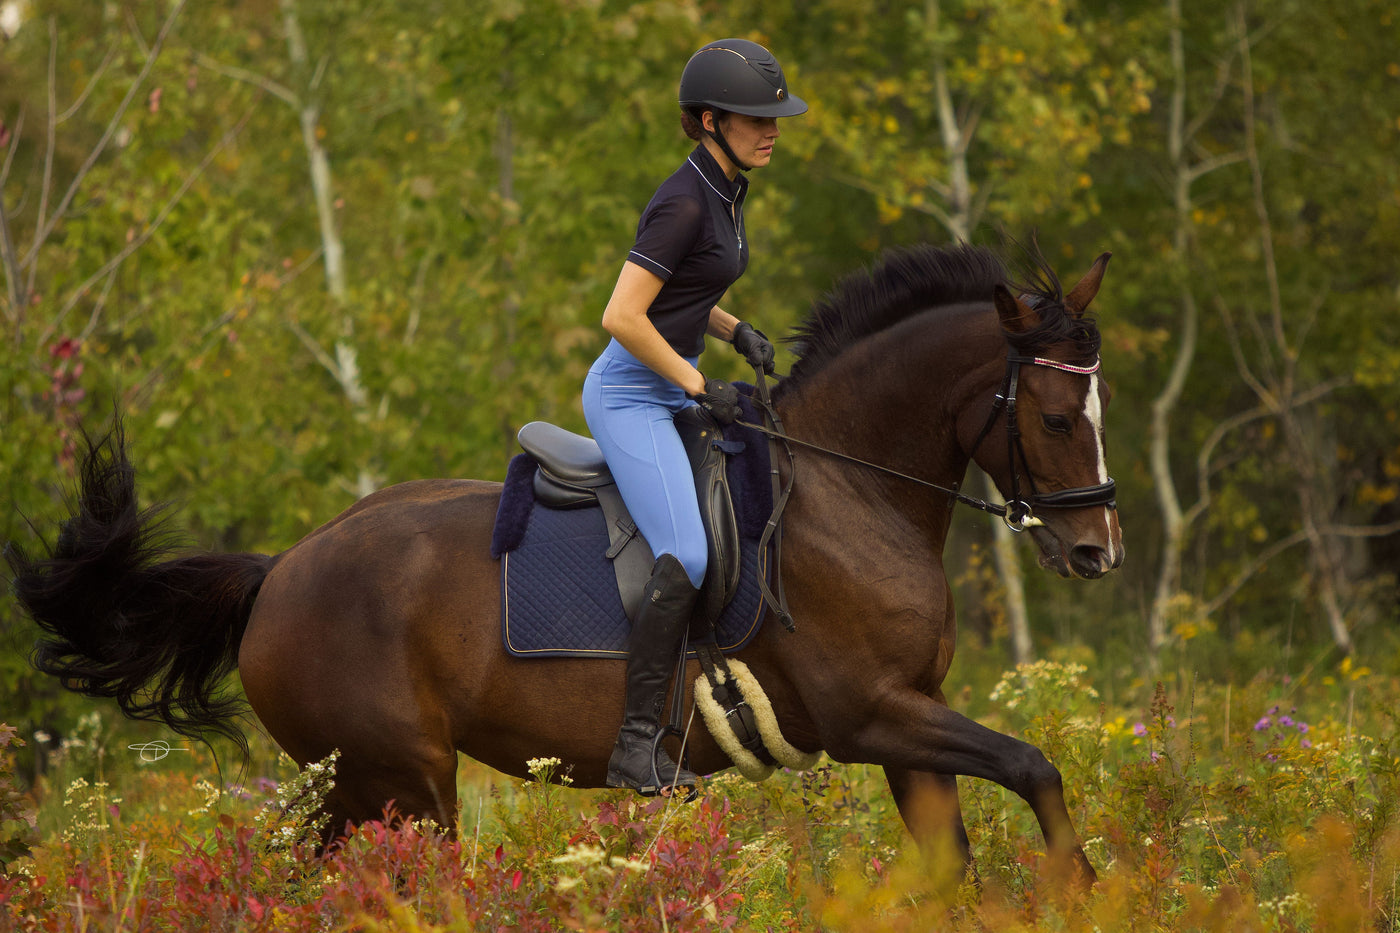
[1089, 561]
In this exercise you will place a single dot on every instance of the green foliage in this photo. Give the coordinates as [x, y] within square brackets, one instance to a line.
[16, 810]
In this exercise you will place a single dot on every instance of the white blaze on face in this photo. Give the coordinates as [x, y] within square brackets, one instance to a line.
[1093, 411]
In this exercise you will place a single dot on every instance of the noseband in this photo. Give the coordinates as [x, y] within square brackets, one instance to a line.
[1019, 512]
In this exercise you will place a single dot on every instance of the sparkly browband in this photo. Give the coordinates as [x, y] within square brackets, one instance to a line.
[1056, 364]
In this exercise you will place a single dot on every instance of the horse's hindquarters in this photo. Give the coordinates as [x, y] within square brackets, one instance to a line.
[363, 635]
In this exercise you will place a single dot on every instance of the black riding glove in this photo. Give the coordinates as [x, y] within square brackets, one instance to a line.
[721, 400]
[753, 346]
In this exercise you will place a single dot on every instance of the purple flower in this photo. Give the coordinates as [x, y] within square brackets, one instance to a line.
[1273, 711]
[1155, 757]
[1303, 727]
[1262, 724]
[1306, 743]
[1285, 721]
[1139, 729]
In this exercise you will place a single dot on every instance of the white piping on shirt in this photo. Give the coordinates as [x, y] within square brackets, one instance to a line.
[733, 217]
[729, 201]
[633, 252]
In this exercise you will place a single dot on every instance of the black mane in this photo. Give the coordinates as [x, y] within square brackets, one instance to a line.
[915, 279]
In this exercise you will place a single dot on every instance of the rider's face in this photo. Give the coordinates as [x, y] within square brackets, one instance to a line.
[751, 138]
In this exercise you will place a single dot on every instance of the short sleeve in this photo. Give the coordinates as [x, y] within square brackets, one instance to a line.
[666, 234]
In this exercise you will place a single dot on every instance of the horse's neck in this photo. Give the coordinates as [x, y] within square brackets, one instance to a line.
[899, 399]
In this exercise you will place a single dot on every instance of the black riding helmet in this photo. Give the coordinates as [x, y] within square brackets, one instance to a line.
[737, 76]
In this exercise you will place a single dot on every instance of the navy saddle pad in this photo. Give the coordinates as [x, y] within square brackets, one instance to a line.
[559, 590]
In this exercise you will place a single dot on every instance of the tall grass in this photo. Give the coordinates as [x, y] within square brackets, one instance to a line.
[1268, 805]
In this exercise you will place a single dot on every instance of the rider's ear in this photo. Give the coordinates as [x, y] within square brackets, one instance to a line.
[1016, 316]
[1079, 297]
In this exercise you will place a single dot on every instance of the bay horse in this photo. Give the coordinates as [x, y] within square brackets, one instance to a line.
[379, 634]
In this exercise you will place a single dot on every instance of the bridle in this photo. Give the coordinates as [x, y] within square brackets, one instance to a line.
[1019, 512]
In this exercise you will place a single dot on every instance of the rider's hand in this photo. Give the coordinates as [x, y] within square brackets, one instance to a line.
[753, 346]
[720, 399]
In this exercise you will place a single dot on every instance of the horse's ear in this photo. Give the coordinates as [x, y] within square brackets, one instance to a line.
[1016, 316]
[1079, 297]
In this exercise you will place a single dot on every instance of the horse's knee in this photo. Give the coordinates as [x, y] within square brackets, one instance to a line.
[1033, 776]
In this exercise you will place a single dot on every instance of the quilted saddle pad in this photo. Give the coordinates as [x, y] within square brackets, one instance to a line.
[559, 592]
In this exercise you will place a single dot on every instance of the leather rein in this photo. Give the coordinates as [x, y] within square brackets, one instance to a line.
[1018, 513]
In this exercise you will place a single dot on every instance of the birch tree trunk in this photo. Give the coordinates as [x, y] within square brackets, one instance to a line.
[343, 364]
[959, 220]
[309, 116]
[1281, 388]
[1164, 405]
[1186, 171]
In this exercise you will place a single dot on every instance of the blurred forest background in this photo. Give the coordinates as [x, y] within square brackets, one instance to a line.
[308, 249]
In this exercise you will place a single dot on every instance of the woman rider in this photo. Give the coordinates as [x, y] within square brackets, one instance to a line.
[690, 248]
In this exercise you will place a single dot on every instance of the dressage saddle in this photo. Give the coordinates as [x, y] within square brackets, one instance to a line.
[572, 474]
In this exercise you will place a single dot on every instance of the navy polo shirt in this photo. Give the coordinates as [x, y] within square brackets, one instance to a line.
[691, 235]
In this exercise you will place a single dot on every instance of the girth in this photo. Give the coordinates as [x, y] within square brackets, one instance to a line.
[573, 474]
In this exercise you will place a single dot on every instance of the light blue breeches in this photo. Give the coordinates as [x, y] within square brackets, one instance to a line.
[630, 411]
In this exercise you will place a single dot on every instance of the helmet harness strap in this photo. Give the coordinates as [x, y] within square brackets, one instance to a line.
[718, 136]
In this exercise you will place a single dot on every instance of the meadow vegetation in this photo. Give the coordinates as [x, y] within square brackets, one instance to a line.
[1266, 805]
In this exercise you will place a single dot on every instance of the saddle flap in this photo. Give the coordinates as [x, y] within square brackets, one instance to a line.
[706, 447]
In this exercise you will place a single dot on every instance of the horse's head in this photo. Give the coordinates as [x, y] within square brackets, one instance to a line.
[1044, 442]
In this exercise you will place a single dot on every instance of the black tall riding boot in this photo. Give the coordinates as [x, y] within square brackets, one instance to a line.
[667, 603]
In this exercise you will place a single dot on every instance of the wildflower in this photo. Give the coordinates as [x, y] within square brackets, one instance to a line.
[1285, 721]
[1139, 729]
[545, 770]
[1305, 743]
[536, 765]
[211, 796]
[1303, 727]
[1263, 723]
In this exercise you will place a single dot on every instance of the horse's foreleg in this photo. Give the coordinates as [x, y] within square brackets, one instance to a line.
[913, 732]
[928, 804]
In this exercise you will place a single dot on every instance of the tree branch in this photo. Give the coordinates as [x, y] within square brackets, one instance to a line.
[1238, 581]
[77, 104]
[46, 227]
[140, 240]
[1210, 164]
[8, 255]
[861, 184]
[1256, 564]
[281, 92]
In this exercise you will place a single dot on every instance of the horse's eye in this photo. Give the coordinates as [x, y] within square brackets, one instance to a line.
[1056, 424]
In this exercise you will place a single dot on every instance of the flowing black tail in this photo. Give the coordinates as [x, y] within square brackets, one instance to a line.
[159, 636]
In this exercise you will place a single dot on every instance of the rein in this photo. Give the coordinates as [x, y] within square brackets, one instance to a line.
[1018, 513]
